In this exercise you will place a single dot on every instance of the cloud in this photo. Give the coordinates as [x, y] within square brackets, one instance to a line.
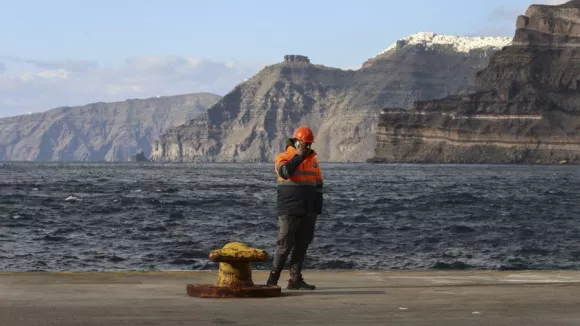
[502, 19]
[500, 22]
[2, 67]
[69, 65]
[555, 2]
[50, 84]
[503, 13]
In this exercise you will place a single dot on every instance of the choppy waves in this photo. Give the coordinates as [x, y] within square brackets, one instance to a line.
[93, 217]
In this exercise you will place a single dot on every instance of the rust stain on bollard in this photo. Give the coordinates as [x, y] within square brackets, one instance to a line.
[235, 275]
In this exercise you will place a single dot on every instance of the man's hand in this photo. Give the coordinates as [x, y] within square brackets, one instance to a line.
[302, 149]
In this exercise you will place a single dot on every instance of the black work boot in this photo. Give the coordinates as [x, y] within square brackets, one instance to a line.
[273, 279]
[299, 285]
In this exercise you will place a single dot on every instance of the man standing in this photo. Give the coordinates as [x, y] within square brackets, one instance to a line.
[299, 204]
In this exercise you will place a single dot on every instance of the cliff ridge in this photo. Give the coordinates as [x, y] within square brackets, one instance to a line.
[526, 107]
[252, 122]
[98, 131]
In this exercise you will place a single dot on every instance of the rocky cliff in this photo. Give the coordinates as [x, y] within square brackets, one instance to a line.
[97, 132]
[526, 108]
[252, 122]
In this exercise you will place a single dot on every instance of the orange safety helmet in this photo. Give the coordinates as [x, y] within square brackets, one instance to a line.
[304, 134]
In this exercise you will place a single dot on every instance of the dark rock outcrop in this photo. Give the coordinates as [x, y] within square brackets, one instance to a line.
[98, 131]
[294, 58]
[252, 122]
[139, 157]
[526, 108]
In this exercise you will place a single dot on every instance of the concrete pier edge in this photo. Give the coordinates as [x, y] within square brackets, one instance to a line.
[342, 297]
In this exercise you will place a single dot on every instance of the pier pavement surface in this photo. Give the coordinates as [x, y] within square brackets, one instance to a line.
[341, 298]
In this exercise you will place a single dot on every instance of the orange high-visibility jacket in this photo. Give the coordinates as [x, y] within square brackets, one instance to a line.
[299, 183]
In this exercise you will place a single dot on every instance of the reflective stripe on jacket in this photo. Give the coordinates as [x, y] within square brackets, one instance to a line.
[299, 193]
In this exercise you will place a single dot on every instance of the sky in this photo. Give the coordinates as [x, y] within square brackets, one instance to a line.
[70, 52]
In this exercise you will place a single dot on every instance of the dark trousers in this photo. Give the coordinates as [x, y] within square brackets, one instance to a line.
[294, 232]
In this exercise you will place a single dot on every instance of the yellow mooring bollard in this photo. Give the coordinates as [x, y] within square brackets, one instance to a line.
[235, 275]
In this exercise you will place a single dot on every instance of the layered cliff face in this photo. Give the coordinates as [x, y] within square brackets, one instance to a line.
[526, 108]
[97, 132]
[252, 122]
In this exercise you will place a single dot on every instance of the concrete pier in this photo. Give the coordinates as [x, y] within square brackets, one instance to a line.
[341, 298]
